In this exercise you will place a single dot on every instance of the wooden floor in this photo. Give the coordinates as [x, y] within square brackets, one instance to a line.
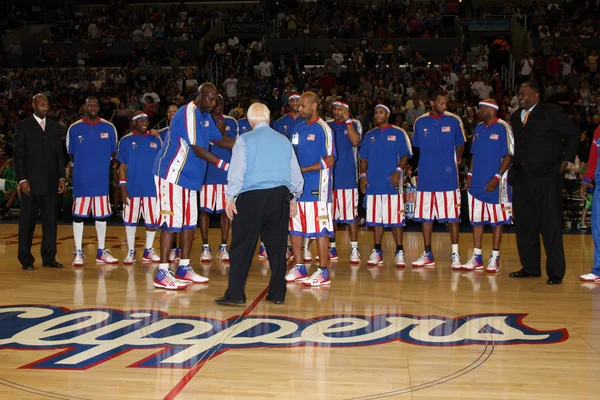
[104, 332]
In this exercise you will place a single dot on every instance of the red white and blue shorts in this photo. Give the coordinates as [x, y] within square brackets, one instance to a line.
[178, 206]
[481, 213]
[385, 210]
[313, 219]
[345, 205]
[146, 207]
[98, 206]
[440, 206]
[212, 198]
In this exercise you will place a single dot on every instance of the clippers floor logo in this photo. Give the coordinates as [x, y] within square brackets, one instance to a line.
[89, 337]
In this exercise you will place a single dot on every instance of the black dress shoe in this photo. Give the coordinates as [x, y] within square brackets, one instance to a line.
[522, 274]
[554, 281]
[269, 298]
[28, 267]
[53, 264]
[223, 301]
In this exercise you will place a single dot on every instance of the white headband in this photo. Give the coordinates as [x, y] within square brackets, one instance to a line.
[340, 104]
[384, 107]
[139, 116]
[484, 103]
[294, 97]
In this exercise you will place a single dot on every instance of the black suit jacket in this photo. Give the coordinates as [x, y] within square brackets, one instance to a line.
[541, 146]
[38, 155]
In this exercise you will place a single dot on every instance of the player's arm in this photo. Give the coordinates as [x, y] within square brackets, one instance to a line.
[324, 163]
[226, 142]
[353, 135]
[123, 183]
[362, 177]
[209, 157]
[470, 173]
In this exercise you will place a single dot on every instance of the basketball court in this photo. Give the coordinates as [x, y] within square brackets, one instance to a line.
[104, 332]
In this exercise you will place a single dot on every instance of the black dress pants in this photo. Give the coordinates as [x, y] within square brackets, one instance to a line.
[30, 205]
[266, 213]
[537, 206]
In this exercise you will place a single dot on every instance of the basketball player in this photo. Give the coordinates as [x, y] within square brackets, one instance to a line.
[383, 156]
[91, 143]
[313, 142]
[179, 171]
[212, 195]
[592, 173]
[489, 196]
[175, 253]
[346, 135]
[286, 124]
[440, 137]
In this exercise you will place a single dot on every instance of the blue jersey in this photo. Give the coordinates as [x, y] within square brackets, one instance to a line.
[163, 134]
[138, 151]
[92, 146]
[244, 125]
[437, 139]
[490, 145]
[313, 141]
[216, 175]
[286, 125]
[176, 161]
[345, 170]
[383, 148]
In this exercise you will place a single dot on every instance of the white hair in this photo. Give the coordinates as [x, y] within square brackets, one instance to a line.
[258, 112]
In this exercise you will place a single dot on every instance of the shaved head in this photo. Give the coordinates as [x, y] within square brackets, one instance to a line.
[40, 105]
[309, 103]
[39, 97]
[207, 97]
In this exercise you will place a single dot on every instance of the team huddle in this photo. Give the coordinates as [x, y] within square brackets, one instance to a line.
[178, 176]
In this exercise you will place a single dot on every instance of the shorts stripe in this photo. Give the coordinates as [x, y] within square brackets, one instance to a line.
[97, 206]
[313, 219]
[481, 213]
[385, 210]
[440, 206]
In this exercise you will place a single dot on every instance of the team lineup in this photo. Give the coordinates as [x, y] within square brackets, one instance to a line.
[175, 178]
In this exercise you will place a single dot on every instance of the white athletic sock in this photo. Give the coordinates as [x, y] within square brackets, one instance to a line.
[306, 242]
[354, 245]
[205, 246]
[78, 234]
[477, 251]
[150, 239]
[184, 262]
[455, 248]
[262, 244]
[496, 253]
[130, 233]
[101, 231]
[332, 245]
[164, 266]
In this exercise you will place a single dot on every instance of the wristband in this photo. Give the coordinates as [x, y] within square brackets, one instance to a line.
[470, 174]
[498, 177]
[122, 182]
[221, 164]
[323, 164]
[348, 121]
[399, 169]
[362, 175]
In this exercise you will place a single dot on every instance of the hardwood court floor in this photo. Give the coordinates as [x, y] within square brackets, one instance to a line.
[103, 332]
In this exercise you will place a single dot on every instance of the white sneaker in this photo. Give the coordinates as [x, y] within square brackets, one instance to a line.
[590, 278]
[307, 255]
[376, 258]
[474, 263]
[163, 280]
[130, 259]
[425, 260]
[223, 254]
[104, 256]
[297, 274]
[206, 256]
[354, 256]
[174, 255]
[177, 280]
[78, 258]
[455, 261]
[187, 274]
[400, 259]
[493, 265]
[151, 256]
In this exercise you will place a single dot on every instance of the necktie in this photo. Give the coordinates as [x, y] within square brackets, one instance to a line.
[43, 124]
[526, 117]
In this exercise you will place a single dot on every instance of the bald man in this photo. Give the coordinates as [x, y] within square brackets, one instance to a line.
[40, 168]
[489, 194]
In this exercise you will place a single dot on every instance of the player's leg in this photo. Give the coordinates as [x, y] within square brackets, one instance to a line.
[500, 215]
[594, 276]
[477, 215]
[374, 219]
[225, 224]
[149, 211]
[320, 225]
[81, 210]
[101, 211]
[451, 205]
[131, 212]
[189, 208]
[297, 231]
[426, 212]
[396, 221]
[207, 207]
[398, 233]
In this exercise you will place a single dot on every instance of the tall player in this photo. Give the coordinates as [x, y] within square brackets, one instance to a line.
[346, 135]
[383, 156]
[175, 253]
[91, 143]
[440, 137]
[489, 193]
[179, 171]
[137, 152]
[212, 195]
[313, 142]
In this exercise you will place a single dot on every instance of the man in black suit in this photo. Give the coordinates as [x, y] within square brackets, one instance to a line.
[546, 141]
[40, 168]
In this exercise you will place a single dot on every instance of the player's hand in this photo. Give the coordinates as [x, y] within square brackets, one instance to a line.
[25, 189]
[222, 127]
[230, 209]
[124, 195]
[583, 189]
[154, 132]
[492, 185]
[395, 178]
[293, 208]
[345, 113]
[61, 185]
[468, 184]
[363, 185]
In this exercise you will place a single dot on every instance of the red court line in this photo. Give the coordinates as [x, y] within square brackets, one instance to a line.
[194, 370]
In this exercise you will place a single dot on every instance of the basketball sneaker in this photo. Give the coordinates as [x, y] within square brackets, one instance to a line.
[376, 257]
[333, 254]
[104, 256]
[425, 260]
[297, 274]
[187, 274]
[474, 263]
[163, 280]
[174, 255]
[206, 256]
[455, 261]
[493, 264]
[262, 253]
[150, 255]
[400, 263]
[307, 255]
[590, 278]
[319, 278]
[223, 254]
[354, 256]
[130, 259]
[78, 258]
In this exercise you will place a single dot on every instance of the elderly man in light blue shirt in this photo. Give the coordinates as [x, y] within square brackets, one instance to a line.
[264, 181]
